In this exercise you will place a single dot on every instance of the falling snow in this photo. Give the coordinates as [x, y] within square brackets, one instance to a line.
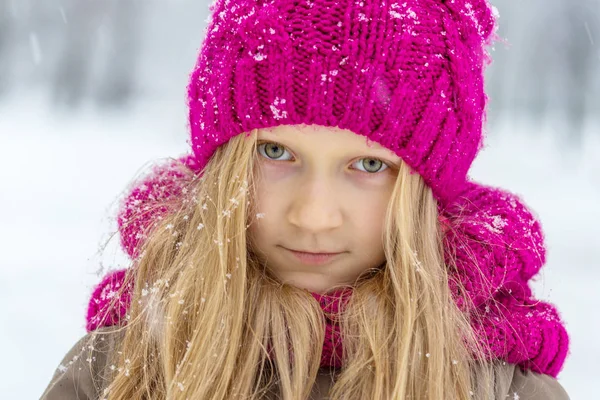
[277, 113]
[63, 15]
[259, 56]
[496, 225]
[36, 51]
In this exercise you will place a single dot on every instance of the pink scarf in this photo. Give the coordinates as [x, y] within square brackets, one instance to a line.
[332, 304]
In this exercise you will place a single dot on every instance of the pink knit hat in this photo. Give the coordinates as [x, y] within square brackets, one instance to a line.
[407, 74]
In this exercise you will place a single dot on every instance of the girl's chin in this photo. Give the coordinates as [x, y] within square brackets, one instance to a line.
[310, 286]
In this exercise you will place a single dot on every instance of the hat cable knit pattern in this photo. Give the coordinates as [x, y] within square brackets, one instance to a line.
[406, 74]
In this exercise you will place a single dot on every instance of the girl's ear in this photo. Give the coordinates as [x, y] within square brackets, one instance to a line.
[144, 202]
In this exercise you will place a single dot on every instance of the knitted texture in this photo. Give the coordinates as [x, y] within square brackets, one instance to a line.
[148, 200]
[104, 308]
[493, 242]
[407, 74]
[493, 245]
[332, 305]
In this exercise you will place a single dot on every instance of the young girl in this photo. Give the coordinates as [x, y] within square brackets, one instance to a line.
[323, 239]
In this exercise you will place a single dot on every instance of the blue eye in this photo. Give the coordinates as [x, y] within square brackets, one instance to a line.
[372, 165]
[272, 150]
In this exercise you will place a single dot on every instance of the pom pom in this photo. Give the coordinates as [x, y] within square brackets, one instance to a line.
[527, 333]
[104, 307]
[491, 241]
[147, 200]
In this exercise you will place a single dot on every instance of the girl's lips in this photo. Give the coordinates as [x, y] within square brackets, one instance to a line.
[314, 258]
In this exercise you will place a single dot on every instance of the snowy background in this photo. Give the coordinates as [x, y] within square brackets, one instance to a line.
[92, 92]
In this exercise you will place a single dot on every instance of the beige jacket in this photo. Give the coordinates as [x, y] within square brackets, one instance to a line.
[79, 376]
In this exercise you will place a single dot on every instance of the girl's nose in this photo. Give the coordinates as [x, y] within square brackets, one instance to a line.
[316, 207]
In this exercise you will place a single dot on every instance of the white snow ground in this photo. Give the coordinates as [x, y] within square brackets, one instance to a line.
[61, 174]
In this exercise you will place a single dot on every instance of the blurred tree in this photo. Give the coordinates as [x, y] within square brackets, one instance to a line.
[99, 54]
[540, 61]
[558, 63]
[117, 81]
[580, 61]
[6, 58]
[71, 80]
[498, 73]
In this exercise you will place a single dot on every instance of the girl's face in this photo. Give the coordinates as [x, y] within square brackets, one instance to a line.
[320, 190]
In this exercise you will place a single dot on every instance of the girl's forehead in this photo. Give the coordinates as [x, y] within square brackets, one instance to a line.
[311, 135]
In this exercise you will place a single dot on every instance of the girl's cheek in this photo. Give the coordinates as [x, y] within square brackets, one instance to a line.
[378, 181]
[275, 172]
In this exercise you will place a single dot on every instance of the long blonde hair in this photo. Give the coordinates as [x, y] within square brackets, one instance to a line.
[208, 321]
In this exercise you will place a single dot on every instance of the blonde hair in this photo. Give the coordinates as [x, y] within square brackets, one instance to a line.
[208, 321]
